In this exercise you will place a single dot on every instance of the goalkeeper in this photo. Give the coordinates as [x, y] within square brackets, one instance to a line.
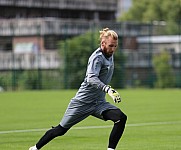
[90, 98]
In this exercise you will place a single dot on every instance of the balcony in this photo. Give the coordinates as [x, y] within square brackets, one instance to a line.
[45, 60]
[51, 60]
[136, 59]
[53, 26]
[63, 4]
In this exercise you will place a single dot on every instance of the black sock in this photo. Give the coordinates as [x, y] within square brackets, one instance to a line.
[116, 133]
[51, 134]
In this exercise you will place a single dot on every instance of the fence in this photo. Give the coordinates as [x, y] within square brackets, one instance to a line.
[49, 69]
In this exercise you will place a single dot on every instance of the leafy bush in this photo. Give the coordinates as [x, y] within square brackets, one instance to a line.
[163, 70]
[6, 80]
[28, 80]
[39, 79]
[75, 53]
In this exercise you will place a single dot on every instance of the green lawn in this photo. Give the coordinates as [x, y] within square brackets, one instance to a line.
[154, 121]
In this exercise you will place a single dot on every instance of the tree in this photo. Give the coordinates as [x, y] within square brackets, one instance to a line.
[118, 80]
[163, 70]
[76, 51]
[155, 10]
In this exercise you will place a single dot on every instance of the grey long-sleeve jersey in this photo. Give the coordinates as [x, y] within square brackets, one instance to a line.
[99, 73]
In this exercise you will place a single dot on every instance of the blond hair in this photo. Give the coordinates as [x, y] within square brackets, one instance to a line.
[106, 32]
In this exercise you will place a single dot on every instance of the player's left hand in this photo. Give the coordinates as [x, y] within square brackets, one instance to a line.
[114, 95]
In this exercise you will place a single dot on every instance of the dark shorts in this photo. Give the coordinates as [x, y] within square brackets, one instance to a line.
[78, 111]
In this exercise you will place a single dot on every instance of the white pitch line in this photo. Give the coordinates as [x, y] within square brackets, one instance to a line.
[94, 127]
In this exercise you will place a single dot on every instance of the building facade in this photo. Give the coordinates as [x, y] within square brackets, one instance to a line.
[47, 19]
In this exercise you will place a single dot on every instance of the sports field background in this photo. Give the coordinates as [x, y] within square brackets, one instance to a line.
[154, 121]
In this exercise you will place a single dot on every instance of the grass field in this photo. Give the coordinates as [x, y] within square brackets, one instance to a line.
[154, 121]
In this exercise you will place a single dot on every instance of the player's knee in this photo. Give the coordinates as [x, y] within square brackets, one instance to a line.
[116, 115]
[61, 130]
[122, 118]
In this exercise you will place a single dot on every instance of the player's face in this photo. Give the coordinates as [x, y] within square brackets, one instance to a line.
[109, 46]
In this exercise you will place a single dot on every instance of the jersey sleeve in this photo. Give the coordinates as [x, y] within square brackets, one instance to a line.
[93, 70]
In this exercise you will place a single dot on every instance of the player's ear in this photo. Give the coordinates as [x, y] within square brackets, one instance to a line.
[103, 43]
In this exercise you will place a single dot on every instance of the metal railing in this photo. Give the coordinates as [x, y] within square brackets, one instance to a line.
[136, 59]
[43, 60]
[62, 4]
[51, 60]
[49, 26]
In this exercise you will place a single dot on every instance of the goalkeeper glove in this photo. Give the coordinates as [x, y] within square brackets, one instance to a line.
[113, 93]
